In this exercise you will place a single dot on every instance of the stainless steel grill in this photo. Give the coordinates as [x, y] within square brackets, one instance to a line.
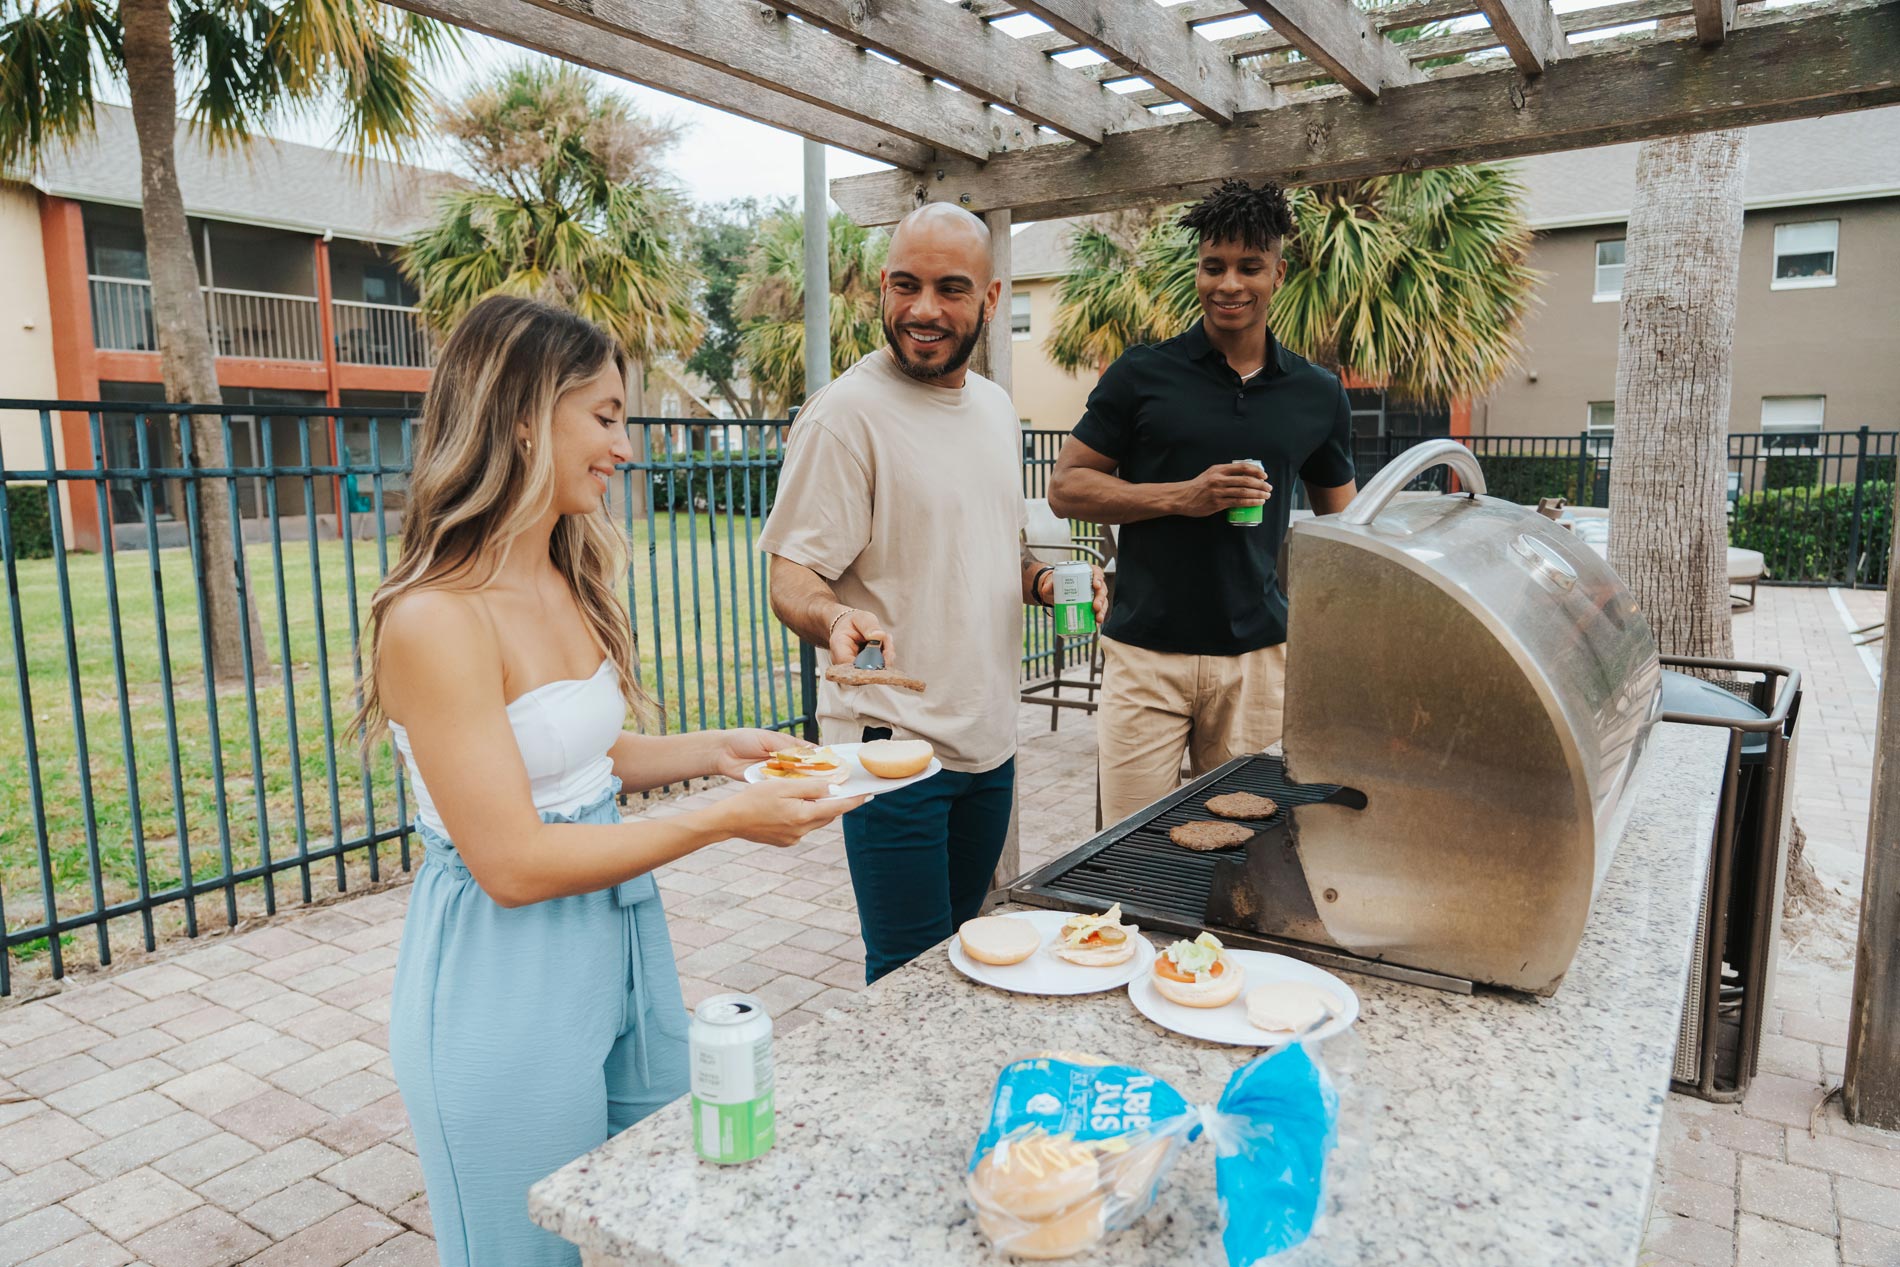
[1469, 696]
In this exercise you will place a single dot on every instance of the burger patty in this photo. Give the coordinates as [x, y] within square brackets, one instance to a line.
[1243, 805]
[1204, 836]
[847, 675]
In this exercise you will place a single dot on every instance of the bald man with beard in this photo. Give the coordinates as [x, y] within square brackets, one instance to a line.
[899, 518]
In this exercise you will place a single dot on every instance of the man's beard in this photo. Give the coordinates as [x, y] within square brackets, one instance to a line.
[926, 373]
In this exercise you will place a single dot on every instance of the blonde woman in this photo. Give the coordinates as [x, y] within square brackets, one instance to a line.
[536, 1006]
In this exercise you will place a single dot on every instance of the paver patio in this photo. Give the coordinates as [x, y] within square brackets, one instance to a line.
[230, 1100]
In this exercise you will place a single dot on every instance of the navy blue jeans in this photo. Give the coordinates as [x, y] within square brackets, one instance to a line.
[921, 859]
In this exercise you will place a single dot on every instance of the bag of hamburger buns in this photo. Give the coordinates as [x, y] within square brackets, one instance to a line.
[1076, 1148]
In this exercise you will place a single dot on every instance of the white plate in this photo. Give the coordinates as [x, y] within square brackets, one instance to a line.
[1229, 1024]
[861, 781]
[1046, 973]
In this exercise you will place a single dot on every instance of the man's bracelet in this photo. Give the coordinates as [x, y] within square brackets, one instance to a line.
[1035, 585]
[833, 627]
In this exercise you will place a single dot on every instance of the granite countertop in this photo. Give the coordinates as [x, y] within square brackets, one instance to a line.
[1481, 1129]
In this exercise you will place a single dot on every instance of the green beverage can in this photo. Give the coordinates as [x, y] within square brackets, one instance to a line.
[1247, 516]
[730, 1049]
[1075, 600]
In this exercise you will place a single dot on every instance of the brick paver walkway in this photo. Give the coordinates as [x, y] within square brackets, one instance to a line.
[231, 1101]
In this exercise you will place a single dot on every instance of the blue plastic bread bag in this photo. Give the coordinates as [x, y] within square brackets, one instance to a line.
[1076, 1148]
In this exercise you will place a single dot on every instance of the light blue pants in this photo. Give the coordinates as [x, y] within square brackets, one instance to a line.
[523, 1038]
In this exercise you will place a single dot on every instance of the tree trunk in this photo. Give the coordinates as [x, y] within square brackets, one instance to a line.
[1668, 479]
[178, 315]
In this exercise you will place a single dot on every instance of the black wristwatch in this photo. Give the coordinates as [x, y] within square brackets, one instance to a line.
[1035, 586]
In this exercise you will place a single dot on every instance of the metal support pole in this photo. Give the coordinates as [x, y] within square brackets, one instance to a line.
[817, 271]
[817, 360]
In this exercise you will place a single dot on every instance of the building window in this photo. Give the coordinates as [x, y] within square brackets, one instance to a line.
[1019, 314]
[1790, 424]
[1601, 423]
[1609, 271]
[1804, 254]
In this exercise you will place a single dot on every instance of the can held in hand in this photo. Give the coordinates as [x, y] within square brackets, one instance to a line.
[1248, 516]
[1075, 600]
[730, 1043]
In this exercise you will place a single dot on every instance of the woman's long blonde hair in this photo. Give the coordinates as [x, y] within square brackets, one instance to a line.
[474, 488]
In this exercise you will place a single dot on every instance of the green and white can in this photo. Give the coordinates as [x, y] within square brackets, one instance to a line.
[730, 1044]
[1248, 516]
[1075, 600]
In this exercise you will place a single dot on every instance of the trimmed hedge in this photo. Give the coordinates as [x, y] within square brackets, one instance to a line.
[709, 487]
[1525, 480]
[26, 515]
[1792, 472]
[1803, 533]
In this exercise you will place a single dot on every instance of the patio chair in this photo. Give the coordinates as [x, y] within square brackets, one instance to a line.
[1052, 540]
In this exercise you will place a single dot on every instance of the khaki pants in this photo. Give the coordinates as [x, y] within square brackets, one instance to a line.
[1157, 703]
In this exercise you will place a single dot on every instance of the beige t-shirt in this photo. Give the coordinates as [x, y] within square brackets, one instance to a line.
[908, 498]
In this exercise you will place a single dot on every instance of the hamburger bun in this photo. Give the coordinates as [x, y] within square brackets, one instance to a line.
[1198, 973]
[1289, 1007]
[895, 758]
[998, 939]
[1040, 1196]
[1063, 1234]
[1219, 992]
[1096, 941]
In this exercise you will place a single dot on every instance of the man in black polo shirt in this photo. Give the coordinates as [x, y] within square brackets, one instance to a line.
[1195, 645]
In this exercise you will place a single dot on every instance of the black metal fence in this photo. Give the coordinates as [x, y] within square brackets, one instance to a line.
[1817, 505]
[140, 790]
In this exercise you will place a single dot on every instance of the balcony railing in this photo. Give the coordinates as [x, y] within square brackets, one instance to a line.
[247, 323]
[122, 315]
[381, 334]
[264, 326]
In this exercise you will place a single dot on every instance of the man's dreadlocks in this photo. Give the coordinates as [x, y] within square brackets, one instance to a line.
[1237, 212]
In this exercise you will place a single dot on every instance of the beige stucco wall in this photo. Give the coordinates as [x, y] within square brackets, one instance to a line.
[1838, 341]
[1046, 397]
[26, 327]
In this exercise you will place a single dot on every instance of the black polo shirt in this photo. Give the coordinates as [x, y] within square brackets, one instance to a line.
[1168, 411]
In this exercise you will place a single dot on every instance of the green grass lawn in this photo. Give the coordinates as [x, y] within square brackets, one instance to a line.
[699, 652]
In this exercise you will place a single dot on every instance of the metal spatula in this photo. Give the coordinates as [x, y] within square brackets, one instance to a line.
[871, 657]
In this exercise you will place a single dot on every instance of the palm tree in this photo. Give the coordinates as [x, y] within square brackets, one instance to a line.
[1418, 281]
[565, 205]
[1668, 507]
[771, 298]
[245, 63]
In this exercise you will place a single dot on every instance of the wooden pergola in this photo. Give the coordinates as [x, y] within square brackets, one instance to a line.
[1098, 105]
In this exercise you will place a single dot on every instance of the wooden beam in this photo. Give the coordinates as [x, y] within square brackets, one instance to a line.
[1872, 1091]
[795, 58]
[1530, 32]
[616, 55]
[1776, 67]
[1141, 34]
[1338, 37]
[1713, 20]
[952, 45]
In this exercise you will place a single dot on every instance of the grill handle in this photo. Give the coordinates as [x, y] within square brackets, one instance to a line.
[1407, 467]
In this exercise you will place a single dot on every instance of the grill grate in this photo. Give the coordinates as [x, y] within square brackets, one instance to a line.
[1139, 864]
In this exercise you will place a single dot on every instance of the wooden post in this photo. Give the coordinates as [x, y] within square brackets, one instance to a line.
[1000, 341]
[1872, 1093]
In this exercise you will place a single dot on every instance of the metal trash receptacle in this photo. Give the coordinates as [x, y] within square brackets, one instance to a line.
[1731, 980]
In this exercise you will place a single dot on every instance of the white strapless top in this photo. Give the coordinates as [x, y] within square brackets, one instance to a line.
[564, 730]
